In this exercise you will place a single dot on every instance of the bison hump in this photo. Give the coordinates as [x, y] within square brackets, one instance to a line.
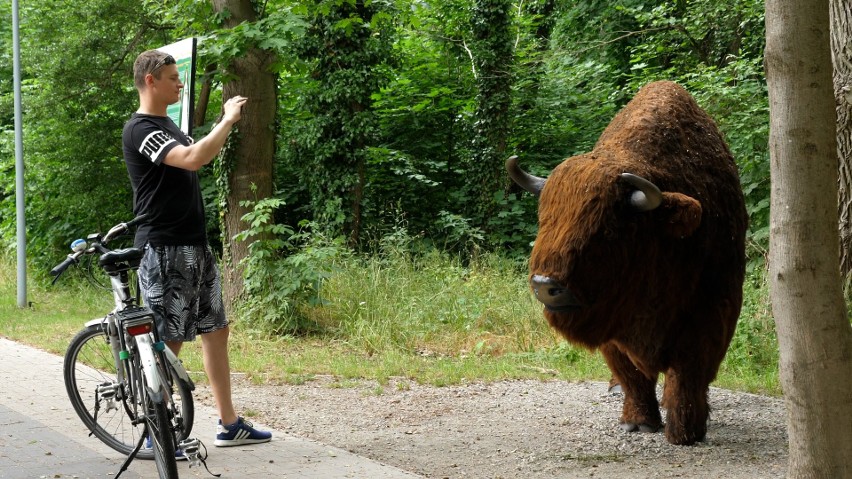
[663, 124]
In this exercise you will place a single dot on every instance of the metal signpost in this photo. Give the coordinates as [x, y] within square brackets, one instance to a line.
[19, 163]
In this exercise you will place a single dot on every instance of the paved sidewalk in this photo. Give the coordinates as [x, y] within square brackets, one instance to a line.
[42, 437]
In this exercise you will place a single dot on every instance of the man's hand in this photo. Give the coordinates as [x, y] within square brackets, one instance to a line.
[233, 109]
[202, 152]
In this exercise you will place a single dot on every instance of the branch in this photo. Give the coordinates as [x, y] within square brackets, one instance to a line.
[470, 54]
[626, 35]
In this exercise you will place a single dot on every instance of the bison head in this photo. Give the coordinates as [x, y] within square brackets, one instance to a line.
[603, 225]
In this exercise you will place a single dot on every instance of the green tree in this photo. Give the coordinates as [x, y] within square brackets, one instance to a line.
[246, 165]
[77, 94]
[424, 122]
[493, 54]
[347, 46]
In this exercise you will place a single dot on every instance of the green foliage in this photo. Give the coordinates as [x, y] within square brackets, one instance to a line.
[514, 227]
[284, 268]
[77, 94]
[424, 117]
[752, 359]
[493, 50]
[277, 30]
[347, 47]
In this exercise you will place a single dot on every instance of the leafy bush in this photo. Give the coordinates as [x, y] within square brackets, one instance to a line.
[284, 268]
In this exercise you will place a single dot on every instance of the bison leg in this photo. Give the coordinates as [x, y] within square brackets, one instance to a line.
[614, 387]
[640, 411]
[685, 399]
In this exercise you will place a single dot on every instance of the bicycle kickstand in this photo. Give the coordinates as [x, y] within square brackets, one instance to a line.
[135, 451]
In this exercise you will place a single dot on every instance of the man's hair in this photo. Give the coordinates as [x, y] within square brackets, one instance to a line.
[149, 61]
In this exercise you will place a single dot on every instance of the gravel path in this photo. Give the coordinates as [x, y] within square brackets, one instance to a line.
[517, 429]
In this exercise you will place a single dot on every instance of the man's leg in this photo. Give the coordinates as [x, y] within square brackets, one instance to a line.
[214, 347]
[175, 346]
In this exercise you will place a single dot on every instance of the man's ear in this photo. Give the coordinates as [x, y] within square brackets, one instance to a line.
[679, 214]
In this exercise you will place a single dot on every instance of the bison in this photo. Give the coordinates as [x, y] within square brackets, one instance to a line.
[640, 253]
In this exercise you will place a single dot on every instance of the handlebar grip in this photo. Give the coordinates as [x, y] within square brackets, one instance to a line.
[123, 227]
[58, 269]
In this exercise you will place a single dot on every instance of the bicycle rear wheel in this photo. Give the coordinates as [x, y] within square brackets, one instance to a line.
[161, 434]
[90, 376]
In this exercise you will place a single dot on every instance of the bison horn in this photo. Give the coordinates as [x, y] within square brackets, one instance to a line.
[647, 196]
[533, 184]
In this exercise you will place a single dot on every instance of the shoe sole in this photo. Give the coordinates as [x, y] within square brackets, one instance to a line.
[238, 442]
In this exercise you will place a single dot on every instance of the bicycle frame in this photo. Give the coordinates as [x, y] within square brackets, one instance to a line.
[124, 300]
[136, 323]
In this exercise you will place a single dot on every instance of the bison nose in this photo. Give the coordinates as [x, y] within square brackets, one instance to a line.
[554, 296]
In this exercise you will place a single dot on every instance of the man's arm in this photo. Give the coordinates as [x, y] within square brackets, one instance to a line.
[195, 156]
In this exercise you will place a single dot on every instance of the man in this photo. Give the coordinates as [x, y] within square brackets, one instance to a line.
[178, 276]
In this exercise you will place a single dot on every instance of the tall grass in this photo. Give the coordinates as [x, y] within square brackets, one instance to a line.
[433, 305]
[427, 317]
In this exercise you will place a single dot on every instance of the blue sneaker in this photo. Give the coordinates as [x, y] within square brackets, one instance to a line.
[179, 455]
[241, 432]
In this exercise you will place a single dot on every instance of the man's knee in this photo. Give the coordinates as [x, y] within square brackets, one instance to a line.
[219, 336]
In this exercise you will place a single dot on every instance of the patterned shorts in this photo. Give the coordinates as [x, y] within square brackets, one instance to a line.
[181, 285]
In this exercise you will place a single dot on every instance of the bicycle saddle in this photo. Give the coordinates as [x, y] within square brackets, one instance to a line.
[114, 257]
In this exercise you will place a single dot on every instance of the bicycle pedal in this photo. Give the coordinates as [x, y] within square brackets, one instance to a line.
[191, 449]
[109, 392]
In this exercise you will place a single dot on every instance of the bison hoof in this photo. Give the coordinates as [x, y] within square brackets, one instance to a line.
[616, 389]
[630, 427]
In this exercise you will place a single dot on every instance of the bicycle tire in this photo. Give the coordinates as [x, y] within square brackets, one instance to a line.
[181, 405]
[161, 434]
[88, 363]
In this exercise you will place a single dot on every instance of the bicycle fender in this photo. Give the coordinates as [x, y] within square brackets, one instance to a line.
[149, 365]
[177, 366]
[95, 322]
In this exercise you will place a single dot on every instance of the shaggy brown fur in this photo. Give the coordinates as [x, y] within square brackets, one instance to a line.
[660, 291]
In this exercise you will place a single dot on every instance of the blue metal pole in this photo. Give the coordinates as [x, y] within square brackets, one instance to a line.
[19, 163]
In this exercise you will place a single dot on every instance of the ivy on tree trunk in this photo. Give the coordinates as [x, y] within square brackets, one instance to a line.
[347, 44]
[251, 150]
[493, 51]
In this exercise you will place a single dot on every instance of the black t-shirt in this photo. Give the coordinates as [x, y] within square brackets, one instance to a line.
[170, 196]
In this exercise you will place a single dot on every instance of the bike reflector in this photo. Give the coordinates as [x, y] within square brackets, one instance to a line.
[136, 320]
[138, 329]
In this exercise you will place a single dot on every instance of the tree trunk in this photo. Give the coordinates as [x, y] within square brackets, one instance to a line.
[841, 49]
[200, 115]
[814, 333]
[252, 144]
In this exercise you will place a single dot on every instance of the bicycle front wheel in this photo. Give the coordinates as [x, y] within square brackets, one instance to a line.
[91, 383]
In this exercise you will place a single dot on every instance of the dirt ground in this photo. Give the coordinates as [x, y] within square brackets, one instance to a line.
[517, 429]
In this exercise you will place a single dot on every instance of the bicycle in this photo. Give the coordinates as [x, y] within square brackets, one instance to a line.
[123, 381]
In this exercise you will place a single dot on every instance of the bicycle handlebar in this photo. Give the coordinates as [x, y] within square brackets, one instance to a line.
[112, 233]
[58, 269]
[122, 227]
